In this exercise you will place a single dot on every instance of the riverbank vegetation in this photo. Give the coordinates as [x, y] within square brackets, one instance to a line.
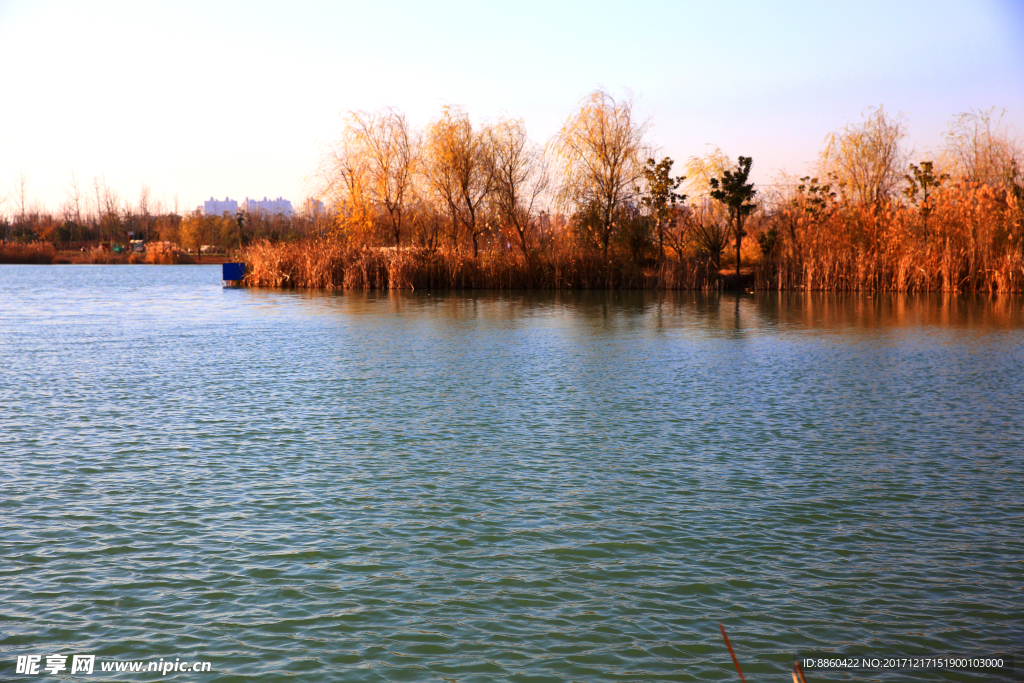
[459, 205]
[36, 252]
[464, 204]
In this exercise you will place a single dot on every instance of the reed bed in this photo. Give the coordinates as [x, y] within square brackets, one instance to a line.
[970, 239]
[32, 252]
[103, 257]
[327, 264]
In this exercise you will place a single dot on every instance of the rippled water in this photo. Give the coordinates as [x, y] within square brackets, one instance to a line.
[520, 487]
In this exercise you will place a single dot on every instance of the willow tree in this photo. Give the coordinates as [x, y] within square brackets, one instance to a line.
[459, 168]
[867, 161]
[520, 180]
[980, 149]
[601, 153]
[369, 173]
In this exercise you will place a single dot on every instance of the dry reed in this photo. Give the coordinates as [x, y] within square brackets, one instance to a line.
[165, 254]
[970, 240]
[33, 252]
[327, 264]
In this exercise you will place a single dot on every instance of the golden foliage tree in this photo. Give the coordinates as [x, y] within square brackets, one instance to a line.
[867, 161]
[601, 153]
[369, 173]
[460, 170]
[193, 230]
[700, 171]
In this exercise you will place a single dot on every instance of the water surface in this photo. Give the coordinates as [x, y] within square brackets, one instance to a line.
[503, 487]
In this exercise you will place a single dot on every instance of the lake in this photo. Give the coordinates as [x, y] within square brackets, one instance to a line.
[533, 486]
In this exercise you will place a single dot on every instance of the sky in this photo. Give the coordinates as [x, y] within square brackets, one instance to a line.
[211, 98]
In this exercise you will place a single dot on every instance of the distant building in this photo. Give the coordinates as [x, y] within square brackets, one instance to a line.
[213, 207]
[270, 206]
[313, 207]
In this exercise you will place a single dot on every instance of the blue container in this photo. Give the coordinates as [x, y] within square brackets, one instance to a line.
[233, 272]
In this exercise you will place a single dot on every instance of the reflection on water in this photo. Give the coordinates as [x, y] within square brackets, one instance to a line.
[525, 486]
[771, 310]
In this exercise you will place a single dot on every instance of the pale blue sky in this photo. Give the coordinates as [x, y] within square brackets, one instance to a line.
[223, 98]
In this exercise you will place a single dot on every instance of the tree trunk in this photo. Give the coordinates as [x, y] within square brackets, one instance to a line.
[739, 240]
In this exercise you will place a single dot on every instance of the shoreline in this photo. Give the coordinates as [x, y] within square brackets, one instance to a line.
[78, 259]
[333, 265]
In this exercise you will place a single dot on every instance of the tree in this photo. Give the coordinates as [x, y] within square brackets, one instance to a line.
[75, 197]
[370, 172]
[193, 230]
[661, 197]
[459, 167]
[107, 209]
[815, 198]
[21, 194]
[707, 221]
[6, 223]
[980, 150]
[700, 171]
[600, 150]
[866, 162]
[145, 209]
[708, 233]
[923, 180]
[73, 204]
[733, 190]
[520, 180]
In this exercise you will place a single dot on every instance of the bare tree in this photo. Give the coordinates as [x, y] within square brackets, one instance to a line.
[601, 154]
[97, 187]
[980, 149]
[74, 197]
[107, 208]
[21, 193]
[705, 226]
[428, 224]
[521, 179]
[145, 209]
[866, 161]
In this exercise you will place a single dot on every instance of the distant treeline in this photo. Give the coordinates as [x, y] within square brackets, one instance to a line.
[459, 204]
[116, 222]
